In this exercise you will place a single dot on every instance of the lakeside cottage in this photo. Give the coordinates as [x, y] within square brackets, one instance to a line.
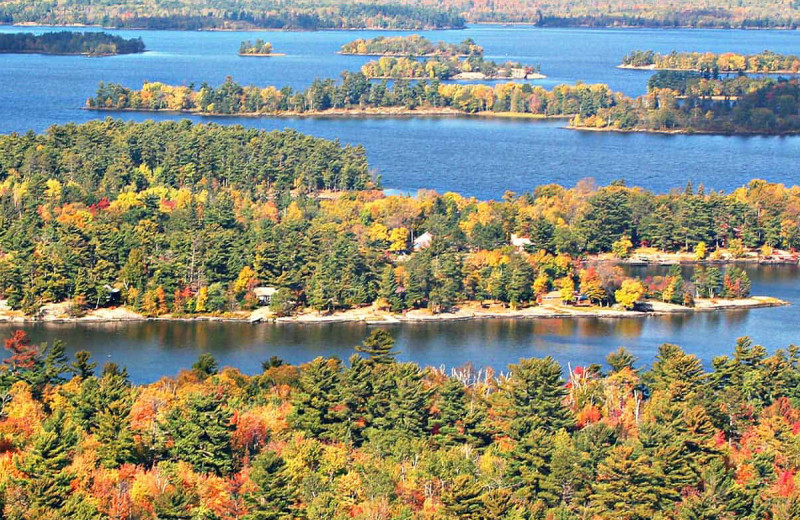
[551, 298]
[520, 242]
[264, 294]
[423, 241]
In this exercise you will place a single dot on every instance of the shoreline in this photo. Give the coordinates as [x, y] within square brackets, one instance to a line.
[260, 55]
[653, 67]
[371, 316]
[350, 112]
[466, 76]
[682, 131]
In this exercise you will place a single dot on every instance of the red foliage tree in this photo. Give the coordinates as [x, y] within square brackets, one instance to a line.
[23, 353]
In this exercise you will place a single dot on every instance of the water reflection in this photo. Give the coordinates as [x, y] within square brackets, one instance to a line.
[152, 349]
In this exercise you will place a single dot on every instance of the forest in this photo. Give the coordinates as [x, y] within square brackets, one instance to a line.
[473, 67]
[187, 219]
[69, 42]
[400, 14]
[711, 65]
[256, 48]
[378, 439]
[232, 15]
[410, 46]
[740, 105]
[356, 92]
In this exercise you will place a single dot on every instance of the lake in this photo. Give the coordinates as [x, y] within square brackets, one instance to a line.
[477, 157]
[154, 349]
[472, 156]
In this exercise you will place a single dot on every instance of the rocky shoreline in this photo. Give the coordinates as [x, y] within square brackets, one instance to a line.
[56, 313]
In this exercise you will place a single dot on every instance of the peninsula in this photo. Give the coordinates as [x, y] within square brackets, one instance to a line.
[176, 220]
[69, 43]
[711, 64]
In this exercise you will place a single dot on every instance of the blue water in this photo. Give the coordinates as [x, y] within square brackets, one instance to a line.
[477, 157]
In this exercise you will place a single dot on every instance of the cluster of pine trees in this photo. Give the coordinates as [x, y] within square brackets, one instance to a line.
[696, 104]
[354, 92]
[711, 64]
[69, 42]
[379, 439]
[412, 45]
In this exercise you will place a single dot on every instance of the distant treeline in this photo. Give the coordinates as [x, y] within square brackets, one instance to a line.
[711, 64]
[68, 42]
[413, 45]
[443, 68]
[227, 14]
[763, 106]
[355, 92]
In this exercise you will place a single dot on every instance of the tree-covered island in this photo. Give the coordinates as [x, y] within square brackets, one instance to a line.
[472, 68]
[356, 95]
[257, 48]
[176, 219]
[410, 46]
[69, 43]
[710, 64]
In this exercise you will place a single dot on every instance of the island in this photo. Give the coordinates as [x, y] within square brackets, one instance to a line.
[355, 95]
[69, 43]
[711, 64]
[259, 48]
[690, 104]
[473, 68]
[410, 46]
[174, 220]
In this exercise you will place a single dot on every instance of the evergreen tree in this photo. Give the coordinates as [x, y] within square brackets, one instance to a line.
[536, 392]
[316, 400]
[44, 477]
[115, 436]
[205, 366]
[82, 366]
[201, 433]
[273, 498]
[378, 346]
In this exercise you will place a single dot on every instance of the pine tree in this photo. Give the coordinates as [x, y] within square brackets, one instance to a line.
[378, 346]
[356, 391]
[116, 444]
[201, 433]
[273, 500]
[536, 390]
[82, 367]
[45, 478]
[205, 366]
[462, 499]
[408, 408]
[316, 400]
[624, 486]
[389, 290]
[530, 468]
[620, 359]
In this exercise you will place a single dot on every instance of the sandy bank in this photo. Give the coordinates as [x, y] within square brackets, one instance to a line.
[749, 71]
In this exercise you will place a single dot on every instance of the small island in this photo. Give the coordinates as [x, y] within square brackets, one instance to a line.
[711, 64]
[453, 68]
[70, 43]
[355, 96]
[413, 45]
[259, 49]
